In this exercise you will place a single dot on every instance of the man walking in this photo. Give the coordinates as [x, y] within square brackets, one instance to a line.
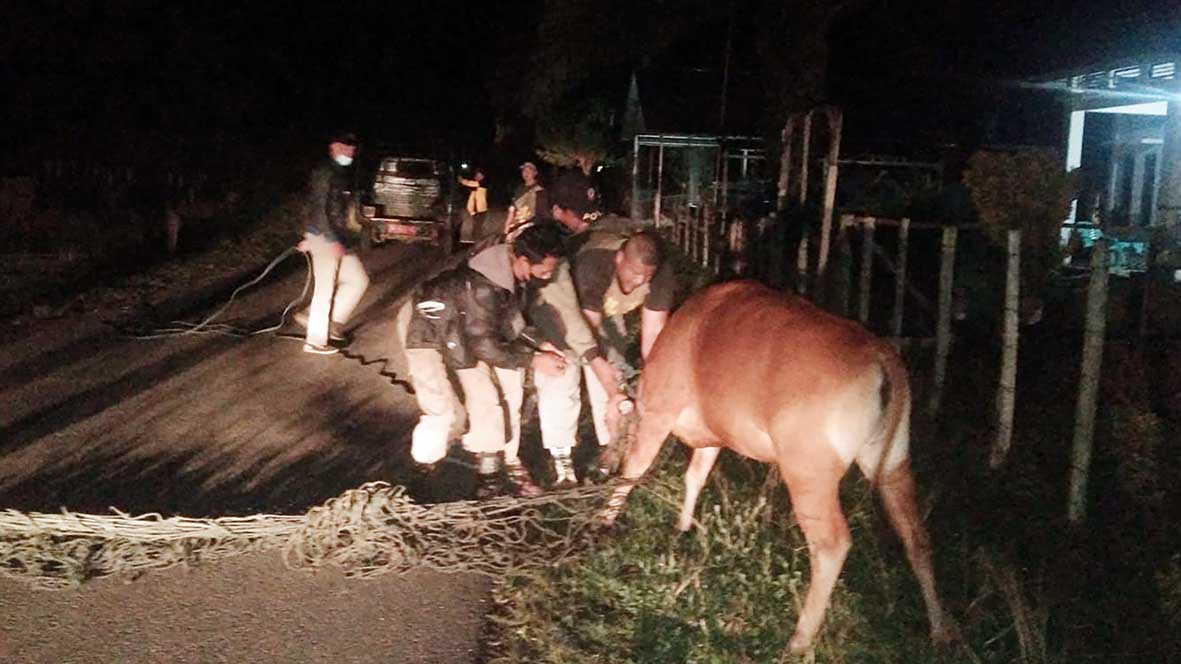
[340, 277]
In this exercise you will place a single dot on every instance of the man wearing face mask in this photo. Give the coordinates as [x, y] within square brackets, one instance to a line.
[469, 320]
[340, 277]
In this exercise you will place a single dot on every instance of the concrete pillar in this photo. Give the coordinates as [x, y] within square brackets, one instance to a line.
[1168, 198]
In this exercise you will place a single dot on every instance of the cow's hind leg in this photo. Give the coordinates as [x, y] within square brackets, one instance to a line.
[898, 495]
[651, 433]
[816, 504]
[702, 462]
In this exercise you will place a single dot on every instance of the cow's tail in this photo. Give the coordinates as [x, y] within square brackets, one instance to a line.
[893, 436]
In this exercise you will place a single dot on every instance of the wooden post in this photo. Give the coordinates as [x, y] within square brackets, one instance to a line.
[802, 265]
[706, 241]
[659, 184]
[831, 169]
[1088, 393]
[636, 209]
[1007, 390]
[900, 278]
[846, 265]
[867, 227]
[943, 325]
[788, 137]
[805, 147]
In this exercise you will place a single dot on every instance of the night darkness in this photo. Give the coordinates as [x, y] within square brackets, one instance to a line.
[428, 72]
[155, 159]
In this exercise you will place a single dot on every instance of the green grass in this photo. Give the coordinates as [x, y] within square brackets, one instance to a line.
[1021, 583]
[725, 592]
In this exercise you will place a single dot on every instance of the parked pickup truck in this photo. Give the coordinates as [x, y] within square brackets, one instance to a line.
[410, 201]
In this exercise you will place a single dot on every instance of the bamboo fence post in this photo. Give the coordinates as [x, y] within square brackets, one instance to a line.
[788, 136]
[900, 278]
[846, 264]
[805, 147]
[1007, 389]
[1088, 393]
[706, 241]
[776, 254]
[802, 265]
[832, 168]
[943, 324]
[867, 226]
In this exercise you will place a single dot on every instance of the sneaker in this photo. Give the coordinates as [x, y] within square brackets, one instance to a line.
[335, 331]
[520, 481]
[564, 472]
[317, 349]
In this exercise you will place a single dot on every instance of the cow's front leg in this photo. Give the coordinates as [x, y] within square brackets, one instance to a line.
[650, 436]
[702, 462]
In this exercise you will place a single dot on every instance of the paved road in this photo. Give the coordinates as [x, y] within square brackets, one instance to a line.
[209, 426]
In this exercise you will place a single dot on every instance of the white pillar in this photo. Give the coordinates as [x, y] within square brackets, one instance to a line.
[1168, 198]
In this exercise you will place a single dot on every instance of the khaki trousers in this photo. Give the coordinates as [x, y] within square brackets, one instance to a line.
[598, 403]
[340, 283]
[559, 402]
[483, 387]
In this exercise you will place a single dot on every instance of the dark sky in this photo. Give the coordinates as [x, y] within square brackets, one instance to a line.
[425, 67]
[246, 65]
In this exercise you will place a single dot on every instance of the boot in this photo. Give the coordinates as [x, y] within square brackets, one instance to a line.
[489, 485]
[490, 479]
[520, 482]
[564, 477]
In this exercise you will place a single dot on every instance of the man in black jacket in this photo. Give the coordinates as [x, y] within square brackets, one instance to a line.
[340, 277]
[469, 319]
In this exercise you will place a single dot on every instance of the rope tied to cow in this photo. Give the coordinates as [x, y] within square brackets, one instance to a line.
[372, 530]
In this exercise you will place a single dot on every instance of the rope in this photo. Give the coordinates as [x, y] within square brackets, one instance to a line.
[372, 530]
[184, 328]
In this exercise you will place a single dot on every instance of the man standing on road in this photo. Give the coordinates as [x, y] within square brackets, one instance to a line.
[528, 200]
[477, 203]
[340, 277]
[469, 319]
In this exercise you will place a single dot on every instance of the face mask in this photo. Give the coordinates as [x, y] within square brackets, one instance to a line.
[343, 160]
[537, 282]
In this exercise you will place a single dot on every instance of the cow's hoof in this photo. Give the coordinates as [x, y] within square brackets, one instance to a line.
[605, 520]
[799, 646]
[946, 636]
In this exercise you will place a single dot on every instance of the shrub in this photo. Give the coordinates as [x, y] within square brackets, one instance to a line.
[1025, 190]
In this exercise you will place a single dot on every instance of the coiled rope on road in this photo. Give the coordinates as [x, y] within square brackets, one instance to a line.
[368, 531]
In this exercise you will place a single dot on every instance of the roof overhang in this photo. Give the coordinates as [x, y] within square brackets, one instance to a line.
[1131, 82]
[692, 140]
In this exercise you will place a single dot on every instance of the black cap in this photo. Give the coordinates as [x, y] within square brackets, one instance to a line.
[571, 192]
[346, 137]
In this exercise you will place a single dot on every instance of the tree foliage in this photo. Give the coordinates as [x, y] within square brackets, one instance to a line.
[1024, 190]
[578, 132]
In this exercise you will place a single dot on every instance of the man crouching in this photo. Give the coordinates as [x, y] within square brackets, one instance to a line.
[469, 319]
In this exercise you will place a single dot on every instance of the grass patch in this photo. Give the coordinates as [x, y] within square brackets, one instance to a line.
[728, 591]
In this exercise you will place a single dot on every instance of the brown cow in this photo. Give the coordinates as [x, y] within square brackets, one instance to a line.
[776, 379]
